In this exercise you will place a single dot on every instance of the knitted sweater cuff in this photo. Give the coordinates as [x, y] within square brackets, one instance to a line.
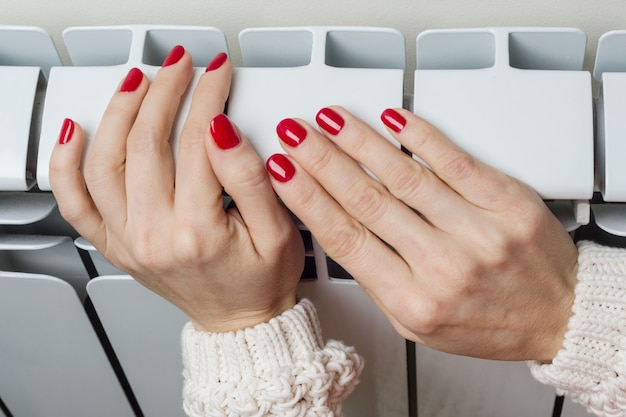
[591, 366]
[281, 367]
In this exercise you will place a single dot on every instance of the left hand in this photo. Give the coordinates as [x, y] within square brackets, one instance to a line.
[166, 225]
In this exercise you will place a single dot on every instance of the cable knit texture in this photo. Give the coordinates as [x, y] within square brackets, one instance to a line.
[591, 367]
[278, 368]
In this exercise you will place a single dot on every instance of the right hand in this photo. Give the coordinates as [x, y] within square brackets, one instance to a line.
[460, 257]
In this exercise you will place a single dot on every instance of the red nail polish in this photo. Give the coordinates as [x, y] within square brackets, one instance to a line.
[174, 56]
[132, 81]
[67, 130]
[393, 120]
[330, 121]
[291, 132]
[223, 132]
[280, 167]
[217, 62]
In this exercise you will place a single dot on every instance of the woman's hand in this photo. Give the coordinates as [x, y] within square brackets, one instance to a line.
[461, 257]
[165, 224]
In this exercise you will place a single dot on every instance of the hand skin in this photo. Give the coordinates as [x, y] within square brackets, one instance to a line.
[483, 270]
[165, 225]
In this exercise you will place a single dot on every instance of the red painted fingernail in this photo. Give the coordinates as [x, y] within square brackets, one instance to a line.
[330, 121]
[67, 130]
[280, 167]
[393, 120]
[291, 132]
[216, 62]
[223, 132]
[132, 81]
[174, 56]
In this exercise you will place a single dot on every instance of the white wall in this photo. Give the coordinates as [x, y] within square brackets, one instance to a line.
[409, 16]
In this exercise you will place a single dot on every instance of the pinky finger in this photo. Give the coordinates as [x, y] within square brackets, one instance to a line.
[68, 185]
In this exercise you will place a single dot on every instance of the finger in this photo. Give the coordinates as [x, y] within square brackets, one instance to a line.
[106, 163]
[197, 188]
[344, 239]
[68, 186]
[406, 179]
[478, 183]
[243, 175]
[362, 197]
[149, 161]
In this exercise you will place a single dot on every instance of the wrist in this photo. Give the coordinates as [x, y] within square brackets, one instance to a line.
[234, 319]
[562, 314]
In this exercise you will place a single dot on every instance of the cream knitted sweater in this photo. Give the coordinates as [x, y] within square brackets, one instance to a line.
[279, 368]
[283, 367]
[591, 366]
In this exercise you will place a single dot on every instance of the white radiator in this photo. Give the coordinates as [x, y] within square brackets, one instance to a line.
[78, 337]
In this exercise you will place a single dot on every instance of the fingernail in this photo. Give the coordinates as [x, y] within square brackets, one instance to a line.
[280, 167]
[223, 132]
[291, 132]
[393, 120]
[330, 121]
[67, 130]
[132, 80]
[217, 62]
[174, 56]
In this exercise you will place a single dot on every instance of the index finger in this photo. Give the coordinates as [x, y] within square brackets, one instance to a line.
[356, 248]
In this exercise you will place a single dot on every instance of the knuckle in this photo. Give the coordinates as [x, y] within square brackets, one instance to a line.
[360, 139]
[193, 131]
[368, 202]
[73, 214]
[494, 253]
[148, 255]
[425, 317]
[345, 241]
[407, 179]
[145, 137]
[321, 159]
[188, 246]
[499, 254]
[425, 134]
[532, 223]
[526, 218]
[119, 110]
[249, 174]
[305, 196]
[97, 170]
[169, 85]
[458, 167]
[192, 245]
